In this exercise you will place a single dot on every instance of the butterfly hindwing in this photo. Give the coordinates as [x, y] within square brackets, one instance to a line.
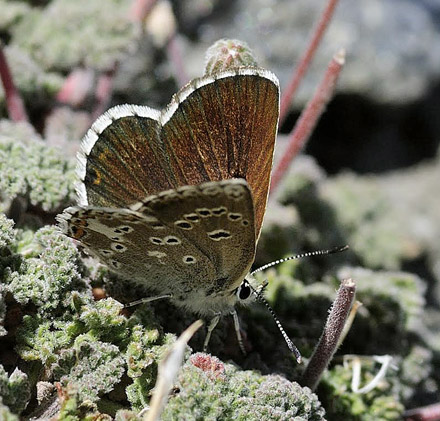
[218, 217]
[197, 238]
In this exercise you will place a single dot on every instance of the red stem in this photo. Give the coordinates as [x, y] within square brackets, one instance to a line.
[140, 9]
[309, 117]
[426, 413]
[76, 87]
[14, 102]
[175, 55]
[304, 62]
[103, 92]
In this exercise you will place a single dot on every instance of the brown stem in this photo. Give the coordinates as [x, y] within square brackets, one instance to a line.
[304, 62]
[309, 117]
[328, 342]
[349, 322]
[14, 102]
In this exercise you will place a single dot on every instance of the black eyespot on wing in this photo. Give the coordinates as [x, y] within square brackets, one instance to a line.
[219, 235]
[172, 240]
[234, 216]
[184, 225]
[204, 212]
[218, 211]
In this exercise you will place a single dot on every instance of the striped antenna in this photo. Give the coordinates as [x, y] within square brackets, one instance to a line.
[300, 256]
[259, 295]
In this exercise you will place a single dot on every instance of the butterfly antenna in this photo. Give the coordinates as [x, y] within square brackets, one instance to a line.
[290, 344]
[300, 256]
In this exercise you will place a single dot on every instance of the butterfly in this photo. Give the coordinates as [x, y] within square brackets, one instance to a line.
[175, 199]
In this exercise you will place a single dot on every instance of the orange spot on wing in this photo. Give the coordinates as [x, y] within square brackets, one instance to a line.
[77, 233]
[97, 179]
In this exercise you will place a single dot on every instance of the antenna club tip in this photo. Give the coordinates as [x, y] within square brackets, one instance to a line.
[296, 353]
[340, 248]
[298, 356]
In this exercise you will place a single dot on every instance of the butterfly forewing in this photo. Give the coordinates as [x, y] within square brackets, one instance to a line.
[122, 159]
[194, 239]
[225, 130]
[217, 127]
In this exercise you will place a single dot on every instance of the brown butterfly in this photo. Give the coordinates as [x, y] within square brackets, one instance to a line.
[175, 200]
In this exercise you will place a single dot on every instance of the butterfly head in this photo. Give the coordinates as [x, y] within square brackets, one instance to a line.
[246, 292]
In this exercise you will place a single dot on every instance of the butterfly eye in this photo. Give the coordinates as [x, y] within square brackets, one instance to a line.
[244, 291]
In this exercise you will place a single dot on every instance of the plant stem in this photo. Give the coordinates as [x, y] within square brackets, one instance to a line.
[305, 60]
[140, 9]
[329, 340]
[309, 117]
[104, 91]
[14, 102]
[425, 413]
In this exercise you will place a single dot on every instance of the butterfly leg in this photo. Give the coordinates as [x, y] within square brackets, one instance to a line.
[147, 300]
[237, 331]
[211, 327]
